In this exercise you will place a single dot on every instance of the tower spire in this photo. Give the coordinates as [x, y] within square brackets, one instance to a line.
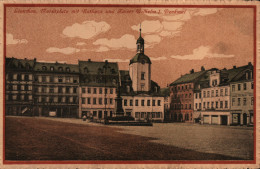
[140, 29]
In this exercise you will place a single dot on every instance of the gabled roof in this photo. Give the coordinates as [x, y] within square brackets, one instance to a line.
[187, 78]
[106, 68]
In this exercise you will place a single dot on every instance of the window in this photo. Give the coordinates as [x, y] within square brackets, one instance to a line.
[105, 90]
[131, 102]
[252, 100]
[60, 69]
[19, 78]
[94, 113]
[252, 85]
[111, 101]
[74, 89]
[111, 91]
[239, 87]
[83, 101]
[51, 79]
[67, 79]
[196, 105]
[142, 102]
[233, 101]
[199, 95]
[199, 105]
[186, 87]
[189, 106]
[208, 93]
[51, 90]
[244, 101]
[226, 91]
[196, 95]
[83, 90]
[221, 104]
[186, 107]
[105, 100]
[244, 86]
[26, 77]
[136, 102]
[43, 78]
[18, 87]
[238, 101]
[67, 69]
[216, 93]
[60, 79]
[142, 75]
[100, 90]
[95, 90]
[44, 68]
[89, 90]
[216, 105]
[59, 89]
[89, 100]
[26, 87]
[221, 92]
[36, 78]
[52, 68]
[94, 101]
[204, 105]
[208, 105]
[148, 102]
[233, 88]
[125, 102]
[153, 102]
[204, 93]
[226, 104]
[100, 100]
[212, 105]
[212, 93]
[67, 89]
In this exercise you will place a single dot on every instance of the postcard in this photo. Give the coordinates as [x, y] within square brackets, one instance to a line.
[129, 85]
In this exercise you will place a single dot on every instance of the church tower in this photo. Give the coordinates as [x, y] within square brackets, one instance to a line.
[140, 68]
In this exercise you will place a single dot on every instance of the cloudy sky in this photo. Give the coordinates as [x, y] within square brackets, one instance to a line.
[176, 39]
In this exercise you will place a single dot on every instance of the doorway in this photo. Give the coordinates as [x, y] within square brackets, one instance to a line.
[224, 120]
[244, 119]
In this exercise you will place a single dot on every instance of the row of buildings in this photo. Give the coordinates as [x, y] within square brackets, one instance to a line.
[87, 88]
[99, 90]
[214, 96]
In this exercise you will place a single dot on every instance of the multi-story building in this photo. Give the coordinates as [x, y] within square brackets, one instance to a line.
[221, 101]
[56, 89]
[166, 93]
[18, 86]
[242, 97]
[141, 96]
[182, 94]
[97, 92]
[215, 99]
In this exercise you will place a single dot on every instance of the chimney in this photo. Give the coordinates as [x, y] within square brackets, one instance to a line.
[89, 60]
[202, 68]
[191, 71]
[234, 67]
[249, 64]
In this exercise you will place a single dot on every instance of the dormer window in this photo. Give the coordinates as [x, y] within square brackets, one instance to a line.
[60, 69]
[67, 69]
[52, 68]
[44, 68]
[85, 70]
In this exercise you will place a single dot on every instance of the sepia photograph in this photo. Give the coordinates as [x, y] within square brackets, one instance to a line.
[126, 84]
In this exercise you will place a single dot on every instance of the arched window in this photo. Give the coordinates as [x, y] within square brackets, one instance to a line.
[67, 69]
[85, 70]
[60, 69]
[44, 68]
[52, 68]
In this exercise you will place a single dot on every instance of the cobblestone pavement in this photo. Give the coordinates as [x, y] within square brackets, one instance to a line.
[235, 141]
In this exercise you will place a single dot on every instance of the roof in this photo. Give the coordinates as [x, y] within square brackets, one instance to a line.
[140, 39]
[165, 91]
[56, 67]
[140, 57]
[20, 64]
[90, 67]
[187, 78]
[236, 73]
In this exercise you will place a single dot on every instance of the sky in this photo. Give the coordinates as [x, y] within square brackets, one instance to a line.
[176, 39]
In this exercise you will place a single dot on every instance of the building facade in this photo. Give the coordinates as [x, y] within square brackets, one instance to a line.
[97, 92]
[19, 86]
[242, 97]
[56, 89]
